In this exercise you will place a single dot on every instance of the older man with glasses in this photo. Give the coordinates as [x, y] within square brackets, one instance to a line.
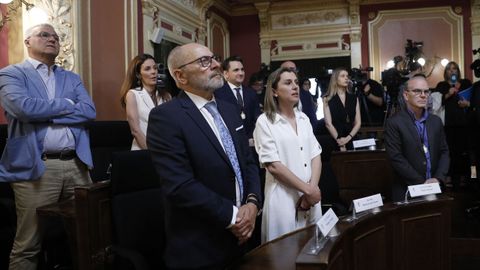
[47, 153]
[209, 178]
[415, 141]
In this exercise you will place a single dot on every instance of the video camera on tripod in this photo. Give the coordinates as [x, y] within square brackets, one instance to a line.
[358, 77]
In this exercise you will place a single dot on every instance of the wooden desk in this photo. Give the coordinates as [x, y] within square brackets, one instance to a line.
[398, 237]
[87, 219]
[362, 173]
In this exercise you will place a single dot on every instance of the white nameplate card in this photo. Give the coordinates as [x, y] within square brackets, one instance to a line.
[367, 203]
[327, 222]
[363, 143]
[424, 189]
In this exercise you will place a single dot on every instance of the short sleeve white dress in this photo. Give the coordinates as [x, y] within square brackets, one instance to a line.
[278, 141]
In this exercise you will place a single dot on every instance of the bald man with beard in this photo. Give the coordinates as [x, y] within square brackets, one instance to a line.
[209, 177]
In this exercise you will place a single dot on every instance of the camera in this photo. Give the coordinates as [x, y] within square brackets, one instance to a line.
[358, 77]
[161, 77]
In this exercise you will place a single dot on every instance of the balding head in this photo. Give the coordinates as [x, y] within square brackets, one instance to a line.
[177, 57]
[194, 69]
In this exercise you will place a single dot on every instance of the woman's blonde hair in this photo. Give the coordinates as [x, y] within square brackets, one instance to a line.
[270, 107]
[333, 85]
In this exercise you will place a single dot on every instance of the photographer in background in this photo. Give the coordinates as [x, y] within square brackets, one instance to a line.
[257, 83]
[370, 96]
[372, 109]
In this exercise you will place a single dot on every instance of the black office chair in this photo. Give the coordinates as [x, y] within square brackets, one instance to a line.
[107, 137]
[137, 212]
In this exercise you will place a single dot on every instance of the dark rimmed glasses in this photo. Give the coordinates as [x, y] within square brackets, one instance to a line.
[205, 61]
[418, 92]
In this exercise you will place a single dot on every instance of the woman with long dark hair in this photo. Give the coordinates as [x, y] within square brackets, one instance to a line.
[139, 95]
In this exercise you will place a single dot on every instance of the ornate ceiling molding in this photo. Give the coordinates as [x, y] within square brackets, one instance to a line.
[475, 18]
[310, 19]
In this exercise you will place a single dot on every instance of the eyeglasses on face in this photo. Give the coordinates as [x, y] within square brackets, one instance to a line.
[418, 92]
[46, 36]
[205, 61]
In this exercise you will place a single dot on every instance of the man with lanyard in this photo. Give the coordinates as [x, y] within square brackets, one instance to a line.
[415, 141]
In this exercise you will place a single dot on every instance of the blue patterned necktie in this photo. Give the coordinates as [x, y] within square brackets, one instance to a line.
[227, 142]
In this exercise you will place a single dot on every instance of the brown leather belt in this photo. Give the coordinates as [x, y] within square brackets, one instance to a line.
[64, 155]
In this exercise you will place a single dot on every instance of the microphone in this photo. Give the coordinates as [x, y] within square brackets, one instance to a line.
[453, 79]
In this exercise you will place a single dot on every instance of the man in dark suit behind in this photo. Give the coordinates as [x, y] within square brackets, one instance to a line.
[243, 97]
[415, 141]
[211, 196]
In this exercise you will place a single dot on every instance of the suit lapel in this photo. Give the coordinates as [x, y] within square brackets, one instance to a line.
[412, 129]
[430, 135]
[202, 124]
[33, 76]
[229, 94]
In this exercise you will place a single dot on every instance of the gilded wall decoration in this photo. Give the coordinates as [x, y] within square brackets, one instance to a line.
[188, 4]
[60, 16]
[475, 18]
[325, 17]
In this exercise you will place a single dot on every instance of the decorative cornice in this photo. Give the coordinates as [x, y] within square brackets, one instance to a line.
[354, 11]
[355, 36]
[263, 15]
[315, 18]
[475, 18]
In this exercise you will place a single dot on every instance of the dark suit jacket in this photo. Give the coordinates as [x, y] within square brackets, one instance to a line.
[308, 108]
[405, 151]
[251, 105]
[198, 181]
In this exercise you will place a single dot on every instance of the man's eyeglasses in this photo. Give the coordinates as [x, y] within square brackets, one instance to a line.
[418, 92]
[205, 61]
[46, 36]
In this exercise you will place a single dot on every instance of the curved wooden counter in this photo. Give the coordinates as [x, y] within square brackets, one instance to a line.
[406, 237]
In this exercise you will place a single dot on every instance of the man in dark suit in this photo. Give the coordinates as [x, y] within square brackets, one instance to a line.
[209, 178]
[243, 97]
[415, 141]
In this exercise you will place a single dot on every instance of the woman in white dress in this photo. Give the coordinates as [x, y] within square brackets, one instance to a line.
[139, 95]
[289, 151]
